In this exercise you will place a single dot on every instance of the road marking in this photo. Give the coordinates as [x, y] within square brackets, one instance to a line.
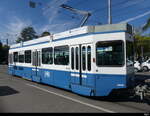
[75, 100]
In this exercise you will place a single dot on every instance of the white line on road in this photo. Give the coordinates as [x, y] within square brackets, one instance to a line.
[75, 100]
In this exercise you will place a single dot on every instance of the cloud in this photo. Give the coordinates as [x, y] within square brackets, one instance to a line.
[132, 2]
[12, 29]
[137, 17]
[56, 23]
[52, 10]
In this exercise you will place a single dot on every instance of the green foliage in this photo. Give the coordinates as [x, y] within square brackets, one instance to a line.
[45, 34]
[27, 33]
[1, 45]
[142, 42]
[19, 40]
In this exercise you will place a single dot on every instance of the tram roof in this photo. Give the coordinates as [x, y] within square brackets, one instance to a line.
[79, 31]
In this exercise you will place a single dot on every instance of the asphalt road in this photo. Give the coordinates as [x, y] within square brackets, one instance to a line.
[18, 95]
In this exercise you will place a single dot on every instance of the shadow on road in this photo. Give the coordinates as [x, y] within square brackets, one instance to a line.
[5, 91]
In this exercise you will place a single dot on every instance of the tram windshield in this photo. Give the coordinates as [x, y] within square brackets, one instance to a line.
[110, 53]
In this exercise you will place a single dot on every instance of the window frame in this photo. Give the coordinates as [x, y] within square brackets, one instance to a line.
[30, 56]
[89, 61]
[21, 54]
[72, 58]
[84, 58]
[77, 59]
[14, 59]
[123, 50]
[61, 51]
[52, 50]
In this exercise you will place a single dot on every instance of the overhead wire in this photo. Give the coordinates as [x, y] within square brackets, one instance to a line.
[122, 13]
[102, 10]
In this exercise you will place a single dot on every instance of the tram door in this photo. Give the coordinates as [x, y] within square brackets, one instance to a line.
[76, 64]
[80, 64]
[86, 65]
[36, 63]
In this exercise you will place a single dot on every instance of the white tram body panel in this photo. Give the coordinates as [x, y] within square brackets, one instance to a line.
[85, 64]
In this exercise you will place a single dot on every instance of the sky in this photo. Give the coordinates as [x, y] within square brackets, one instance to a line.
[49, 16]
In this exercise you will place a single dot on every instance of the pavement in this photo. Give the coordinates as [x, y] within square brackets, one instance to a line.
[18, 95]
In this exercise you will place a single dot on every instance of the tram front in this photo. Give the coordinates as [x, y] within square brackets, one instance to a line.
[114, 59]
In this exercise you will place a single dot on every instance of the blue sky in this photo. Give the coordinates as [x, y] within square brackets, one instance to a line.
[48, 16]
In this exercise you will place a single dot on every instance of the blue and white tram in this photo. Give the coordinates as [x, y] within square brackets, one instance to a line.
[91, 60]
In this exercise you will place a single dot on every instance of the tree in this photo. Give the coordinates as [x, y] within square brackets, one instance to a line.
[1, 44]
[142, 43]
[4, 53]
[45, 34]
[19, 40]
[27, 33]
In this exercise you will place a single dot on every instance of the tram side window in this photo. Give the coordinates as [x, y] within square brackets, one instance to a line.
[47, 55]
[84, 58]
[89, 58]
[72, 58]
[77, 58]
[28, 56]
[21, 58]
[15, 54]
[61, 55]
[110, 53]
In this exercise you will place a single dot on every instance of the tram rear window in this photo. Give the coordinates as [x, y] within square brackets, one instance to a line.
[110, 53]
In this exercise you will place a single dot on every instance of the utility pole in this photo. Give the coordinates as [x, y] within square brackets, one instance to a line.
[109, 12]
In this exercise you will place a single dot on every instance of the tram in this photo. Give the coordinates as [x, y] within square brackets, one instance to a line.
[90, 60]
